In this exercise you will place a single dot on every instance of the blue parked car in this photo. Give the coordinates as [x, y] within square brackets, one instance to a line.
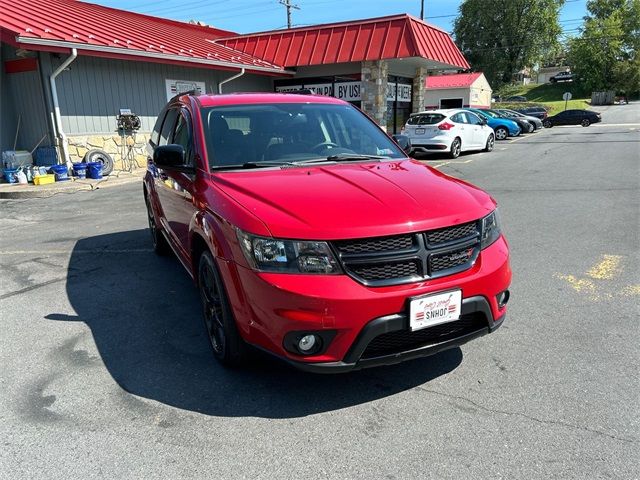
[502, 127]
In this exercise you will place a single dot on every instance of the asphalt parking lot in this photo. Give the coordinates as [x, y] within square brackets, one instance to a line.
[106, 372]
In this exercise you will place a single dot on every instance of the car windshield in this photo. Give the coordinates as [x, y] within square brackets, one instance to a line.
[491, 113]
[263, 135]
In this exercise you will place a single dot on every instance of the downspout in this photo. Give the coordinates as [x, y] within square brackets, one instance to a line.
[238, 75]
[56, 105]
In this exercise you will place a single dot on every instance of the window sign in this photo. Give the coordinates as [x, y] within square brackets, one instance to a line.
[349, 91]
[404, 92]
[288, 88]
[321, 88]
[391, 92]
[176, 87]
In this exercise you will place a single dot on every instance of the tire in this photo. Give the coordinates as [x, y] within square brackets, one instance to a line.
[160, 245]
[585, 122]
[530, 128]
[501, 133]
[547, 124]
[456, 148]
[226, 343]
[490, 143]
[97, 155]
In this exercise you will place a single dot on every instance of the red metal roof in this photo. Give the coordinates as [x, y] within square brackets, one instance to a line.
[452, 81]
[399, 36]
[103, 31]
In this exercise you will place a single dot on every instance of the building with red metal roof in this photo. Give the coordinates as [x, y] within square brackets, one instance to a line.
[70, 67]
[457, 90]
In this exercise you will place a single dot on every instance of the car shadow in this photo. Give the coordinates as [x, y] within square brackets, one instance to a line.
[144, 314]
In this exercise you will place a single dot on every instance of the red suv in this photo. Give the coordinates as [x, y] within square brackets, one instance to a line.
[312, 236]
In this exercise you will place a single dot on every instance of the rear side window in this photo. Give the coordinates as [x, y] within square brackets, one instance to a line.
[426, 119]
[459, 118]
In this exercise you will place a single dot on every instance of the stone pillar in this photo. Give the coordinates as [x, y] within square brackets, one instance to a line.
[419, 86]
[373, 90]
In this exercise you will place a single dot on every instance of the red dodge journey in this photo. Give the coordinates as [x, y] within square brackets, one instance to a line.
[311, 235]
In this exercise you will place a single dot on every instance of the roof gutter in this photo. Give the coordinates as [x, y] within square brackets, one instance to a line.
[142, 53]
[230, 79]
[56, 105]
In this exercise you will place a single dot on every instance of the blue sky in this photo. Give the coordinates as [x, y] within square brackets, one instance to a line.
[245, 16]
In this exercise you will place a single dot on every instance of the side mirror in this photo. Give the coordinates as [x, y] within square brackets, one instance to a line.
[404, 142]
[483, 121]
[170, 157]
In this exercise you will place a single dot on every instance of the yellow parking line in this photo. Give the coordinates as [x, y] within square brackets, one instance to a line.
[517, 138]
[607, 268]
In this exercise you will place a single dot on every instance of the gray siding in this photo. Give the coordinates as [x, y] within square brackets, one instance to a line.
[21, 95]
[93, 90]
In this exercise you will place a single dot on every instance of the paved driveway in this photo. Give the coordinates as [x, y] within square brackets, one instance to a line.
[105, 370]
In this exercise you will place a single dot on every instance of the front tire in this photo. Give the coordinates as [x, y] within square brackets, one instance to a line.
[501, 133]
[530, 128]
[547, 124]
[490, 143]
[228, 347]
[456, 148]
[585, 122]
[160, 245]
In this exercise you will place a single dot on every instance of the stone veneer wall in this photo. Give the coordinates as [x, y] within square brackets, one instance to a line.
[79, 145]
[418, 90]
[374, 90]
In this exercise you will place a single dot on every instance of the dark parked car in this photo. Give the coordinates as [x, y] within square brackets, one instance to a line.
[525, 126]
[516, 98]
[562, 77]
[538, 112]
[536, 122]
[573, 117]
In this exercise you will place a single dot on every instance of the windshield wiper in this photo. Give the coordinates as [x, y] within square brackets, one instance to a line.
[250, 165]
[342, 157]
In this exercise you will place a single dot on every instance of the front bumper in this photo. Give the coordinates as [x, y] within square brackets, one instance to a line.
[268, 306]
[400, 323]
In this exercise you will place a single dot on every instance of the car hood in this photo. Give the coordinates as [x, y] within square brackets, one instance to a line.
[353, 200]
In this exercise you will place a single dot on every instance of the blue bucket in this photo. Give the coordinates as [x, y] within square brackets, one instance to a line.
[10, 175]
[61, 171]
[94, 170]
[80, 170]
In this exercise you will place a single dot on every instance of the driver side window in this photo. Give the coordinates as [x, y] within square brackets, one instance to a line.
[182, 136]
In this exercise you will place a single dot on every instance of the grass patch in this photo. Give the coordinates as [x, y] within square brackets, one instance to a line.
[549, 95]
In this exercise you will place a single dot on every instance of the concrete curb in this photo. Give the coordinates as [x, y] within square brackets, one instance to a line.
[13, 191]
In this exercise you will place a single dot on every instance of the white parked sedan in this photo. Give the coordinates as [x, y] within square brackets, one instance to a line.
[453, 131]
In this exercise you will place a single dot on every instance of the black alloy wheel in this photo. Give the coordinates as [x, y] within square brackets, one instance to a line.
[547, 124]
[490, 143]
[228, 347]
[456, 148]
[585, 122]
[160, 245]
[501, 133]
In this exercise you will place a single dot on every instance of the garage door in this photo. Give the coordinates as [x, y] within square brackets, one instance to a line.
[450, 103]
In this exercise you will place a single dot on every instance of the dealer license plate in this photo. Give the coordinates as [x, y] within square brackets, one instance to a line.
[434, 309]
[419, 131]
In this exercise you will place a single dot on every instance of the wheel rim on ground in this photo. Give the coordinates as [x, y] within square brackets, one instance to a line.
[585, 123]
[212, 307]
[455, 148]
[490, 142]
[501, 134]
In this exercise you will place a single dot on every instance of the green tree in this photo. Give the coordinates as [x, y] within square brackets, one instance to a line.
[501, 38]
[604, 56]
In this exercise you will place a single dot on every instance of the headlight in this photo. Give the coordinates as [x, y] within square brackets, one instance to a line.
[491, 229]
[287, 256]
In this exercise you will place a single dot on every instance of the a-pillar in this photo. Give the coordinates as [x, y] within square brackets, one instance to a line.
[418, 90]
[373, 90]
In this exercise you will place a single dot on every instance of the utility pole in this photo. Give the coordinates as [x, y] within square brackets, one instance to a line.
[289, 5]
[421, 9]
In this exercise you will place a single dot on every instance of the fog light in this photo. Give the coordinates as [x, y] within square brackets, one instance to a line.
[503, 298]
[307, 343]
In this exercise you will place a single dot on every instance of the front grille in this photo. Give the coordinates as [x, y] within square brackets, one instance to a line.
[382, 261]
[450, 259]
[387, 270]
[383, 244]
[404, 340]
[443, 235]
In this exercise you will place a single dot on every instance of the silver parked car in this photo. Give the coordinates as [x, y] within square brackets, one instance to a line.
[535, 121]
